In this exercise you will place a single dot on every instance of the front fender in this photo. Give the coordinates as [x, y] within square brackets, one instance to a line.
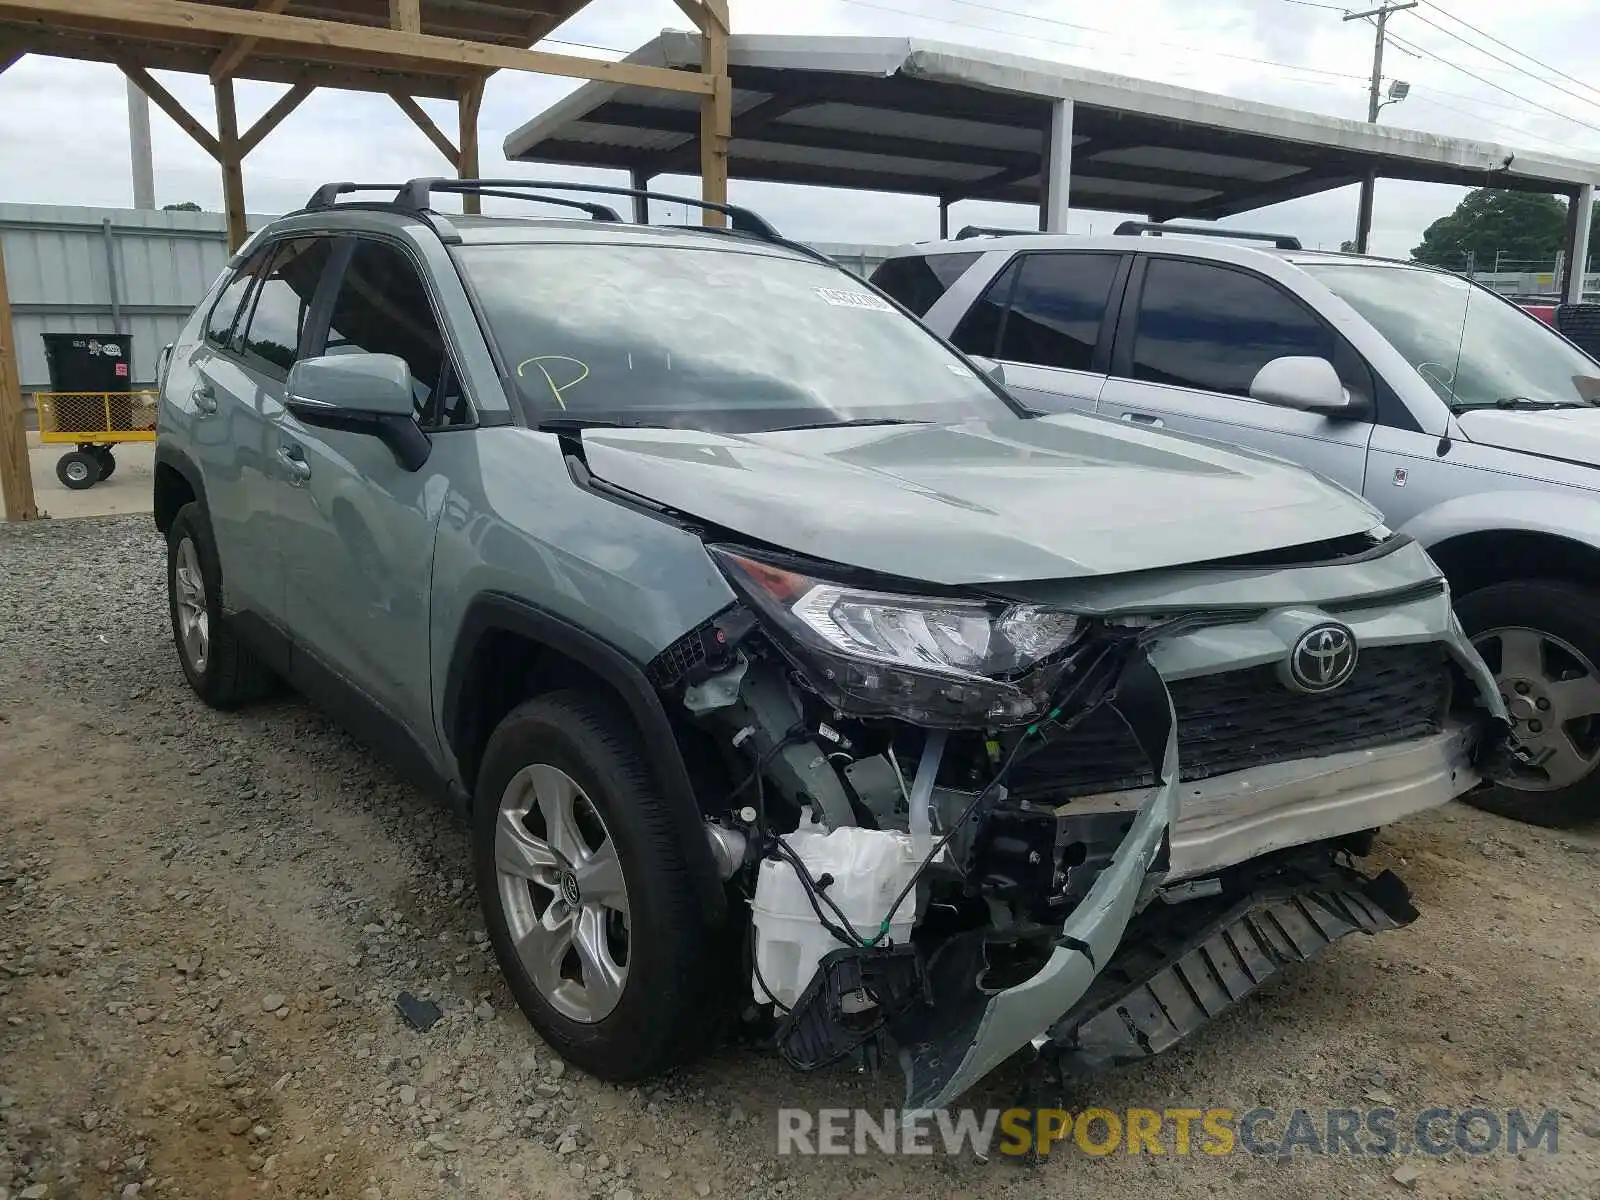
[1558, 512]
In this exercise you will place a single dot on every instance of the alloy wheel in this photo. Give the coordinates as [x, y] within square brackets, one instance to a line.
[563, 893]
[189, 595]
[1552, 693]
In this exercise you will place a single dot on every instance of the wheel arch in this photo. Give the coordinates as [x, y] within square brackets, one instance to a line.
[1471, 561]
[508, 650]
[177, 482]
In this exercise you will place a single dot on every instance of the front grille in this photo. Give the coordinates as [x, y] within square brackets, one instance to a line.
[1242, 719]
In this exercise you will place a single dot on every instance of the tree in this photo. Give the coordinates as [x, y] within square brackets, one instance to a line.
[186, 206]
[1521, 226]
[1347, 247]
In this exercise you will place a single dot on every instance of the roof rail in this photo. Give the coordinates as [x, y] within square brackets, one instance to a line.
[324, 197]
[977, 231]
[415, 196]
[1282, 241]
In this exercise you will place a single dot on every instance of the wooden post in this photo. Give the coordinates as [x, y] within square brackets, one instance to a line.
[468, 107]
[406, 15]
[16, 478]
[716, 110]
[232, 161]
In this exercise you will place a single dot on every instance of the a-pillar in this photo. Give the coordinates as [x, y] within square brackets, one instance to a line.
[1056, 178]
[1575, 259]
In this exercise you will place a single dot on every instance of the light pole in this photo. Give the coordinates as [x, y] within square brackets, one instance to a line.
[1375, 105]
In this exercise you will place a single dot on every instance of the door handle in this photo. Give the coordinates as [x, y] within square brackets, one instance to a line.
[294, 461]
[1139, 418]
[205, 399]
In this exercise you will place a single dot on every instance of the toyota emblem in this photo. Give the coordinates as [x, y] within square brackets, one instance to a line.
[1322, 659]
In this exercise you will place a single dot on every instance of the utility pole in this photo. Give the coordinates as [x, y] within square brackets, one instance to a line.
[1374, 106]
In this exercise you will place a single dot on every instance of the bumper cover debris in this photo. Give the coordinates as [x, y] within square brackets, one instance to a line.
[946, 1049]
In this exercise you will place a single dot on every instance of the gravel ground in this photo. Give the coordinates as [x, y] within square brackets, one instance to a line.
[205, 920]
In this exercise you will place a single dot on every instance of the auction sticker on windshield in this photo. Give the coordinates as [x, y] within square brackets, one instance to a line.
[843, 299]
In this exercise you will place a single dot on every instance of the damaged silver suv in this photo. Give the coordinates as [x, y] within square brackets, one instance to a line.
[788, 670]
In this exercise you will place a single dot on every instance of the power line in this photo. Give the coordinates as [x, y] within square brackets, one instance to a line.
[1439, 8]
[1490, 83]
[1503, 61]
[1261, 62]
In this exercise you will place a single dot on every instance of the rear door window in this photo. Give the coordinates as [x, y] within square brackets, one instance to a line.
[919, 281]
[271, 341]
[219, 326]
[1212, 328]
[979, 331]
[1058, 309]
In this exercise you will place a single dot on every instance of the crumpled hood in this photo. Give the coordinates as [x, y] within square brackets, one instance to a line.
[1570, 434]
[984, 502]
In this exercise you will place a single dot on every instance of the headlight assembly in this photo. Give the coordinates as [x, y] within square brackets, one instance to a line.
[931, 660]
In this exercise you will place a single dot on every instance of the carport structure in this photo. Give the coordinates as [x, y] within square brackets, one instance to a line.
[405, 48]
[956, 123]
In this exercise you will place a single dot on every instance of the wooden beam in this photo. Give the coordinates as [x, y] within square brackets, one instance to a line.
[406, 15]
[232, 160]
[239, 47]
[395, 49]
[273, 117]
[467, 109]
[424, 122]
[716, 110]
[168, 103]
[16, 477]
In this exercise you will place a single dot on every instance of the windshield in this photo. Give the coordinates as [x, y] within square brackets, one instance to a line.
[1473, 348]
[712, 340]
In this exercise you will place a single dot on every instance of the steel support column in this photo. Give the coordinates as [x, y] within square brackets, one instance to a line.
[1580, 218]
[1056, 178]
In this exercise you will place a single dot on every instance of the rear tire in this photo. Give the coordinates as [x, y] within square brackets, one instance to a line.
[219, 667]
[78, 471]
[664, 1014]
[107, 460]
[1537, 636]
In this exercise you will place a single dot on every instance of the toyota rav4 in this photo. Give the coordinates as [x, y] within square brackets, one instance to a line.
[785, 667]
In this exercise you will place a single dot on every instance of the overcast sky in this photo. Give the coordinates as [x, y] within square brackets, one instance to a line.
[63, 125]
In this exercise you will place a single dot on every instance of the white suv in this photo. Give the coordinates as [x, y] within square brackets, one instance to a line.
[1471, 425]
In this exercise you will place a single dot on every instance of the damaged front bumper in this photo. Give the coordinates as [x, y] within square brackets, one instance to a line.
[945, 1051]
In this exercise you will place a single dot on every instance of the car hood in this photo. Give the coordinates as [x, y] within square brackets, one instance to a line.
[984, 502]
[1570, 434]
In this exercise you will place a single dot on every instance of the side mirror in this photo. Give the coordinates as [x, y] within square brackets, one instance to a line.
[994, 370]
[1307, 384]
[360, 393]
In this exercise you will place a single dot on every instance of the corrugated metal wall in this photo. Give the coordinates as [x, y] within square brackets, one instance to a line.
[118, 270]
[105, 270]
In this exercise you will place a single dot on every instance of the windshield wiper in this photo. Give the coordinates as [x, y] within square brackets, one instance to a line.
[851, 424]
[578, 424]
[1519, 404]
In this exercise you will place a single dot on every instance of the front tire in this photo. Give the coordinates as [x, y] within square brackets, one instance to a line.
[1542, 641]
[588, 898]
[221, 669]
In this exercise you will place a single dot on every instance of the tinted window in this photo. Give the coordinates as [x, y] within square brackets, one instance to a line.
[382, 307]
[1210, 328]
[919, 281]
[979, 330]
[1058, 308]
[712, 339]
[226, 308]
[278, 316]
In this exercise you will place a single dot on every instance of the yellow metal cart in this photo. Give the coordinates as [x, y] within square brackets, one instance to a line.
[93, 422]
